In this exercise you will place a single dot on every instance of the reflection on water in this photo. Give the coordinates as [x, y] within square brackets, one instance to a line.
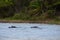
[25, 32]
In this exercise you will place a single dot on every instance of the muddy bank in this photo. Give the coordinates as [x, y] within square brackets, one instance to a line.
[28, 21]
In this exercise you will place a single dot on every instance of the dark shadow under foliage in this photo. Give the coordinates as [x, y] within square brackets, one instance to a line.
[57, 9]
[7, 11]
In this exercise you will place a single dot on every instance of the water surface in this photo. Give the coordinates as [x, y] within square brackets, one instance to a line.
[25, 32]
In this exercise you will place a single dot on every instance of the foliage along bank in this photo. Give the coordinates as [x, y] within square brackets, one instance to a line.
[30, 9]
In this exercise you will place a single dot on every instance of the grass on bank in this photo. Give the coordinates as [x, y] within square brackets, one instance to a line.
[34, 19]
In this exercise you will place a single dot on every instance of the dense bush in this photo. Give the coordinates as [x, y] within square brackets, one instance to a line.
[29, 9]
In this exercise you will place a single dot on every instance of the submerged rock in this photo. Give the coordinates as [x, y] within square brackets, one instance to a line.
[13, 27]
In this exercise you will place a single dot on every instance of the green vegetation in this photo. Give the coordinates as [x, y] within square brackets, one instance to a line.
[4, 3]
[30, 10]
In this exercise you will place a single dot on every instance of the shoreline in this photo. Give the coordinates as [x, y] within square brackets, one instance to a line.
[29, 21]
[21, 21]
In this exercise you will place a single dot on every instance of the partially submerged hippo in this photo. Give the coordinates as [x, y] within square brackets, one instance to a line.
[13, 27]
[36, 27]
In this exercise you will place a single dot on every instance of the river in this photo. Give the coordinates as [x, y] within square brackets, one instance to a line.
[25, 32]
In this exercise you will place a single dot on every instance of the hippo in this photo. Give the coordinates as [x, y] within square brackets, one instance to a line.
[13, 27]
[36, 27]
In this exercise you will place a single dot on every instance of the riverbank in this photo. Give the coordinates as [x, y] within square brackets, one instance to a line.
[29, 21]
